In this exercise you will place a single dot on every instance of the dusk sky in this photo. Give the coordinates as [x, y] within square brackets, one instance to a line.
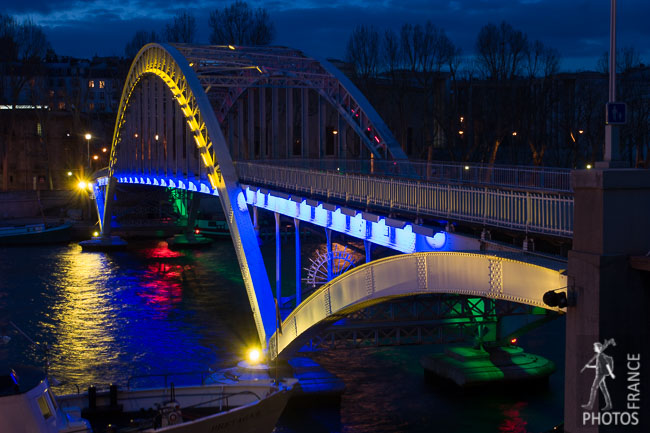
[579, 30]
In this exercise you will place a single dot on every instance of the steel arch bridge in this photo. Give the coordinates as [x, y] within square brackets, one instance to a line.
[174, 107]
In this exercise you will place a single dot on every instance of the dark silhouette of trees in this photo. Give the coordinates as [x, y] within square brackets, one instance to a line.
[238, 24]
[500, 51]
[362, 52]
[24, 47]
[182, 29]
[139, 40]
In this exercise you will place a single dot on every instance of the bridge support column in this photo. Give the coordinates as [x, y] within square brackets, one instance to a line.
[105, 218]
[296, 223]
[256, 226]
[328, 236]
[193, 210]
[278, 291]
[612, 298]
[368, 247]
[105, 242]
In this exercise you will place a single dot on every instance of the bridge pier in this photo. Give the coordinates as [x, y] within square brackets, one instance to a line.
[611, 294]
[296, 223]
[368, 247]
[278, 287]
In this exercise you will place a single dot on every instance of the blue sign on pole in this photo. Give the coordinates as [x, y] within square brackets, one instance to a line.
[615, 114]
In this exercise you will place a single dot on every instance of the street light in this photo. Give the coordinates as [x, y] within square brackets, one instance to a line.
[88, 137]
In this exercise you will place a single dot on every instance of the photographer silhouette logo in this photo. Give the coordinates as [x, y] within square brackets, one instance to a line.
[603, 367]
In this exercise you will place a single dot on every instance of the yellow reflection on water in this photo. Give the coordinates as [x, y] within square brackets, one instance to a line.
[86, 330]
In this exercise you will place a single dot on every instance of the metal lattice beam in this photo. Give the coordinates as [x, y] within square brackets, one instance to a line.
[474, 275]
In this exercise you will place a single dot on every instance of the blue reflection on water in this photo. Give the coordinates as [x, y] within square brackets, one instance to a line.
[108, 317]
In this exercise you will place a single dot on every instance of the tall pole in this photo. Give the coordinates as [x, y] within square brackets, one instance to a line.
[610, 139]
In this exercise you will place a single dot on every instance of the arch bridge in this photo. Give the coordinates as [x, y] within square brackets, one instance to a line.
[186, 111]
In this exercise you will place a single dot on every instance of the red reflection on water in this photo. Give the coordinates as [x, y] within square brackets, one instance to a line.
[162, 287]
[513, 422]
[160, 251]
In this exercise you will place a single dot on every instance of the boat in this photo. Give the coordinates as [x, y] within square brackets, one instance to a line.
[474, 367]
[251, 404]
[212, 228]
[31, 234]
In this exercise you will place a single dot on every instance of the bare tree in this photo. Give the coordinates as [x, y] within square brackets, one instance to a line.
[426, 50]
[501, 51]
[140, 39]
[626, 59]
[182, 29]
[238, 24]
[362, 52]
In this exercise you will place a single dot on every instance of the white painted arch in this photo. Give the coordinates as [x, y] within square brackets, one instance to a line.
[471, 274]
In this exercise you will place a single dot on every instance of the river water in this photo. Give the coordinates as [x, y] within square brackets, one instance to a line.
[149, 310]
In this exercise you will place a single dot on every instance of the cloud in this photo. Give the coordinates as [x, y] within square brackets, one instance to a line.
[579, 30]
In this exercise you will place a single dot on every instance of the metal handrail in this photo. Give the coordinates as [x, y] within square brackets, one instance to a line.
[524, 177]
[535, 211]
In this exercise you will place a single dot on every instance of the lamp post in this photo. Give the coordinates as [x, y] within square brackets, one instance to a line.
[611, 134]
[88, 137]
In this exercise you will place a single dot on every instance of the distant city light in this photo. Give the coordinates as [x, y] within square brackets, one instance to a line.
[156, 137]
[513, 341]
[104, 149]
[95, 234]
[135, 135]
[588, 166]
[231, 47]
[95, 157]
[580, 131]
[514, 133]
[335, 132]
[467, 167]
[69, 173]
[461, 132]
[88, 136]
[461, 119]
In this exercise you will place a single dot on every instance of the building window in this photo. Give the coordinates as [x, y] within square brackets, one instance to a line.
[61, 105]
[101, 84]
[91, 83]
[39, 129]
[91, 106]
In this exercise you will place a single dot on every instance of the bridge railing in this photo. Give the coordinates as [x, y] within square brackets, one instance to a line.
[525, 177]
[534, 211]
